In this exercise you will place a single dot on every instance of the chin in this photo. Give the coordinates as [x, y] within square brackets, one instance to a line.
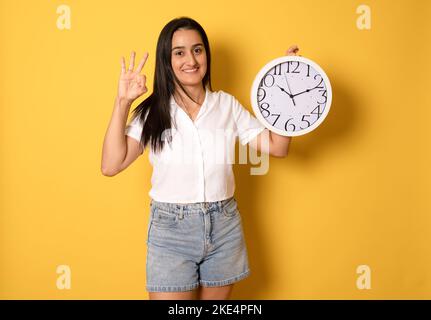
[189, 83]
[190, 80]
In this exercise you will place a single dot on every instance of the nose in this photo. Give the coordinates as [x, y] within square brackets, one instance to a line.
[191, 59]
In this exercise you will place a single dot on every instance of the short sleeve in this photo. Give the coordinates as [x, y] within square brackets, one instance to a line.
[134, 128]
[247, 125]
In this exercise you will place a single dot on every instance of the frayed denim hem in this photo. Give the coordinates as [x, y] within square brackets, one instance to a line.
[151, 288]
[225, 282]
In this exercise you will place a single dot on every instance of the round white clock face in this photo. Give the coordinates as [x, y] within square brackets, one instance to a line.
[291, 95]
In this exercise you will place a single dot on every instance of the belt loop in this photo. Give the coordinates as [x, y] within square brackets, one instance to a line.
[204, 207]
[181, 212]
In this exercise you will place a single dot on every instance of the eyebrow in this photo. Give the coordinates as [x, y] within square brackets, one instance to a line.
[182, 47]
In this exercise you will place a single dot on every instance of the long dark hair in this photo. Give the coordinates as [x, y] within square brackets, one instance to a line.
[157, 105]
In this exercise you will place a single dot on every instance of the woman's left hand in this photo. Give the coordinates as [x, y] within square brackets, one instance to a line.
[293, 50]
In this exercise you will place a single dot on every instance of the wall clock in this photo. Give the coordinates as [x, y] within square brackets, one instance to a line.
[291, 95]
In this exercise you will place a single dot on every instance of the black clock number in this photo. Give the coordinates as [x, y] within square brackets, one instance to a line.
[323, 95]
[267, 81]
[266, 113]
[278, 116]
[262, 107]
[304, 120]
[308, 70]
[318, 112]
[294, 70]
[289, 124]
[277, 70]
[261, 94]
[321, 80]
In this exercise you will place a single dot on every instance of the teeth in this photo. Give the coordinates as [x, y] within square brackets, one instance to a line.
[190, 70]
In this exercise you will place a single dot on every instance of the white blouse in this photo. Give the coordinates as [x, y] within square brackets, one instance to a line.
[197, 165]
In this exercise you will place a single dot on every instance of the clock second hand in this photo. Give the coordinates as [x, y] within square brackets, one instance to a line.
[290, 91]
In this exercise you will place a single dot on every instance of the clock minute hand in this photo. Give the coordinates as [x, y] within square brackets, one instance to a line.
[308, 90]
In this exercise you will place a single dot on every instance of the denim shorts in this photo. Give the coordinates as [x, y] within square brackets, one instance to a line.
[195, 244]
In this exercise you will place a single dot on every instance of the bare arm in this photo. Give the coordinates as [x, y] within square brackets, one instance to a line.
[115, 146]
[271, 143]
[119, 150]
[279, 145]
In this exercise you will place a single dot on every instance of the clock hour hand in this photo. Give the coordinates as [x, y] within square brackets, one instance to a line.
[282, 89]
[291, 96]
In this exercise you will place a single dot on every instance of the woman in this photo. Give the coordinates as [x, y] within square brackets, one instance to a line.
[196, 247]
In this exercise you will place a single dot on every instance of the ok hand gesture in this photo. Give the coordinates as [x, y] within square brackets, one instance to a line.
[132, 83]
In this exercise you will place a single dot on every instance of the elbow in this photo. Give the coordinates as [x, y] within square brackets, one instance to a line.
[279, 155]
[107, 172]
[279, 149]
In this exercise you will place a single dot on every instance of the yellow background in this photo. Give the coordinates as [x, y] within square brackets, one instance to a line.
[354, 191]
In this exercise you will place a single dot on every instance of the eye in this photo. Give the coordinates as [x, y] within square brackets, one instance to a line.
[198, 50]
[177, 53]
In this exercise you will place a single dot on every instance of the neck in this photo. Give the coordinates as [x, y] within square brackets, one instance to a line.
[196, 92]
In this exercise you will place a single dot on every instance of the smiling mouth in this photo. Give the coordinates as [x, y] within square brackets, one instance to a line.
[190, 70]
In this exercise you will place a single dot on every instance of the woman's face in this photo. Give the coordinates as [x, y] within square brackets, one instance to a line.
[188, 57]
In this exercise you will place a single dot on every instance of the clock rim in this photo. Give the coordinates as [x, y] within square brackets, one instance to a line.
[264, 70]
